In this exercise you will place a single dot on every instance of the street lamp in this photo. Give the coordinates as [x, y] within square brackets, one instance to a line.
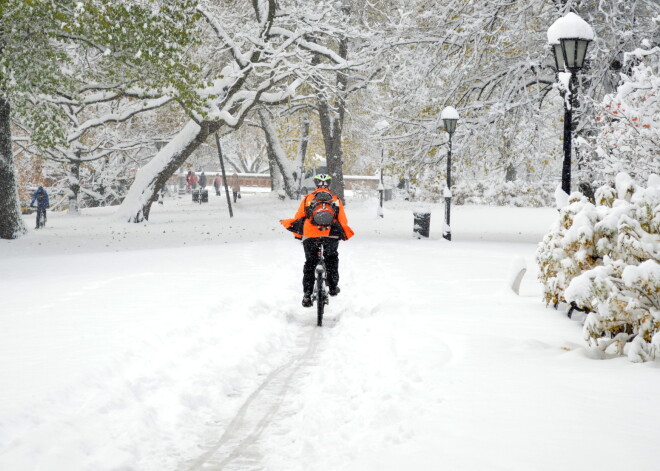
[450, 117]
[569, 38]
[380, 127]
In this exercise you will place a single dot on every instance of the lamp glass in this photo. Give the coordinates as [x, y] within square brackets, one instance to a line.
[581, 53]
[559, 56]
[450, 125]
[574, 51]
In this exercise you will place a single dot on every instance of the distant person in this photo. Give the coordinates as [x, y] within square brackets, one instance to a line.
[193, 179]
[189, 181]
[41, 197]
[202, 181]
[235, 186]
[216, 183]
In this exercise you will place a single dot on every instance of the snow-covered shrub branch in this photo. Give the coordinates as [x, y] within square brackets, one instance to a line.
[603, 259]
[512, 193]
[628, 121]
[569, 248]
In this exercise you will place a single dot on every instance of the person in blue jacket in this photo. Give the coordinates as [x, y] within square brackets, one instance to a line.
[41, 197]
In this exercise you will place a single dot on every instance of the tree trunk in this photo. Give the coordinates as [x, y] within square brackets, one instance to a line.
[276, 180]
[154, 175]
[11, 222]
[277, 157]
[302, 153]
[74, 185]
[332, 124]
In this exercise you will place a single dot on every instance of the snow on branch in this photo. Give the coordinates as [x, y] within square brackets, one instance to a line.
[117, 117]
[238, 56]
[311, 46]
[288, 92]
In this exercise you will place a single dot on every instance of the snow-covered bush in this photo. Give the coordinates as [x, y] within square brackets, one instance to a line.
[516, 193]
[604, 259]
[569, 248]
[625, 298]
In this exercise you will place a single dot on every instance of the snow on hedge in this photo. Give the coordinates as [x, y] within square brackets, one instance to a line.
[603, 258]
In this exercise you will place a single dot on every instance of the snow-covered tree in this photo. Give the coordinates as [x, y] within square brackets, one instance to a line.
[98, 147]
[244, 151]
[40, 41]
[490, 60]
[628, 130]
[260, 53]
[287, 170]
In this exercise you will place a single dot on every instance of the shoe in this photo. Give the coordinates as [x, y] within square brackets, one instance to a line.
[334, 291]
[307, 300]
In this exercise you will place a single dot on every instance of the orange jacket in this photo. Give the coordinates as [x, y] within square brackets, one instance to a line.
[303, 227]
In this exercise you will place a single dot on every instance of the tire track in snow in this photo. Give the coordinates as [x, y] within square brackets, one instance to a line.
[257, 412]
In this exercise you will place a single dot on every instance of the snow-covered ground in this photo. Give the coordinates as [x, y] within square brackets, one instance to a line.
[181, 344]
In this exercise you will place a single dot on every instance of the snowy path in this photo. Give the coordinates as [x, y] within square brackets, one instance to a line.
[182, 345]
[236, 448]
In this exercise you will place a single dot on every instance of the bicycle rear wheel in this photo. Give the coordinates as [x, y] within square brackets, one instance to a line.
[320, 301]
[40, 218]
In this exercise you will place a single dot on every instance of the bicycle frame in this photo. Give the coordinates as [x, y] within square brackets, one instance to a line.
[41, 217]
[320, 293]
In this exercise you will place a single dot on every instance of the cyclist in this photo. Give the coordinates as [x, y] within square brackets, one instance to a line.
[305, 225]
[41, 197]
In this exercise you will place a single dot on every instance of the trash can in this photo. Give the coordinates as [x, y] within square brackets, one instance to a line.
[205, 196]
[195, 195]
[421, 224]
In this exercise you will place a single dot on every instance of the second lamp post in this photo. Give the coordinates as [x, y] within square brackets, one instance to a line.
[380, 127]
[449, 117]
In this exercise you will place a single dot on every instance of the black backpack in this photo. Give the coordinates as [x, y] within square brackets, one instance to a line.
[41, 197]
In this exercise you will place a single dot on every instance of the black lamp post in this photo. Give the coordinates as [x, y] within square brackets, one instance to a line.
[569, 38]
[449, 117]
[381, 186]
[380, 127]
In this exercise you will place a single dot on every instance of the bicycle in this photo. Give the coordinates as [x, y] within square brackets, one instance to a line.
[320, 293]
[41, 217]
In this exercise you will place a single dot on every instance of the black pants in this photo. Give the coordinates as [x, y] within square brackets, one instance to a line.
[331, 256]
